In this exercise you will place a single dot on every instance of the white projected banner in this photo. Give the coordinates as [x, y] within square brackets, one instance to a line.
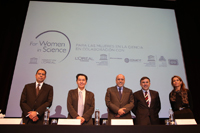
[100, 41]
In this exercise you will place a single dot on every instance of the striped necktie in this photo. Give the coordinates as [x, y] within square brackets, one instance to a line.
[146, 98]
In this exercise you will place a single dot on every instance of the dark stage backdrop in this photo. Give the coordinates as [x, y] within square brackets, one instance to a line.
[14, 13]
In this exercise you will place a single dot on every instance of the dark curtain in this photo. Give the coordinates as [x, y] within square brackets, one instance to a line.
[13, 15]
[188, 18]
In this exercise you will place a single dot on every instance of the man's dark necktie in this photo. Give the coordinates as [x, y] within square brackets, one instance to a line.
[120, 93]
[37, 89]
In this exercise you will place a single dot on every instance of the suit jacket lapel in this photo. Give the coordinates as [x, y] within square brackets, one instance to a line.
[117, 93]
[86, 98]
[152, 95]
[123, 93]
[76, 94]
[76, 97]
[33, 87]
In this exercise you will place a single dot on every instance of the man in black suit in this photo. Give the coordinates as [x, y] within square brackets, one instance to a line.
[147, 104]
[35, 98]
[80, 102]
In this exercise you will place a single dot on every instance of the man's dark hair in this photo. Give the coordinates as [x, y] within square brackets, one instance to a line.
[80, 74]
[144, 78]
[42, 70]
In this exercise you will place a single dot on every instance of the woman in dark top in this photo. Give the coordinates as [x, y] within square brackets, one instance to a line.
[180, 99]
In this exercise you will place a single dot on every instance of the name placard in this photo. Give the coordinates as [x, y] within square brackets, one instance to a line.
[10, 121]
[122, 122]
[69, 122]
[185, 122]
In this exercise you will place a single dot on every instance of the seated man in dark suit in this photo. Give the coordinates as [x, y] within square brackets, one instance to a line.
[119, 100]
[80, 102]
[147, 104]
[35, 98]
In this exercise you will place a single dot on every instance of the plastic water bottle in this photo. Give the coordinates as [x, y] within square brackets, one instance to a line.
[46, 116]
[97, 117]
[171, 117]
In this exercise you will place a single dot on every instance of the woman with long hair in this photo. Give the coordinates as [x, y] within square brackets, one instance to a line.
[180, 99]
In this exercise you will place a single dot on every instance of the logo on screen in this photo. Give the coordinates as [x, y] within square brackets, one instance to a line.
[84, 59]
[103, 57]
[151, 58]
[162, 62]
[126, 60]
[162, 58]
[173, 61]
[103, 60]
[33, 60]
[50, 47]
[151, 62]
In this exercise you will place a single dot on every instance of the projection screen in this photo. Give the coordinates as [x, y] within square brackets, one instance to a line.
[100, 41]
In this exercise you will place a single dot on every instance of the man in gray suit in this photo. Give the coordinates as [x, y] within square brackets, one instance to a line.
[35, 98]
[119, 100]
[147, 104]
[80, 102]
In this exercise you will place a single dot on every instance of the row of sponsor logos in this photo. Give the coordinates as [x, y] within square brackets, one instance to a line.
[151, 59]
[103, 60]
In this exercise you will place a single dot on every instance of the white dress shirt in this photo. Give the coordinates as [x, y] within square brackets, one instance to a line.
[83, 92]
[36, 84]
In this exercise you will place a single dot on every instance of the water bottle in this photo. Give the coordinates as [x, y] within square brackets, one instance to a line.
[171, 117]
[97, 117]
[46, 116]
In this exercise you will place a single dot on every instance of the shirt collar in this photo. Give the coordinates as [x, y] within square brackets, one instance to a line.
[120, 87]
[39, 83]
[145, 91]
[81, 90]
